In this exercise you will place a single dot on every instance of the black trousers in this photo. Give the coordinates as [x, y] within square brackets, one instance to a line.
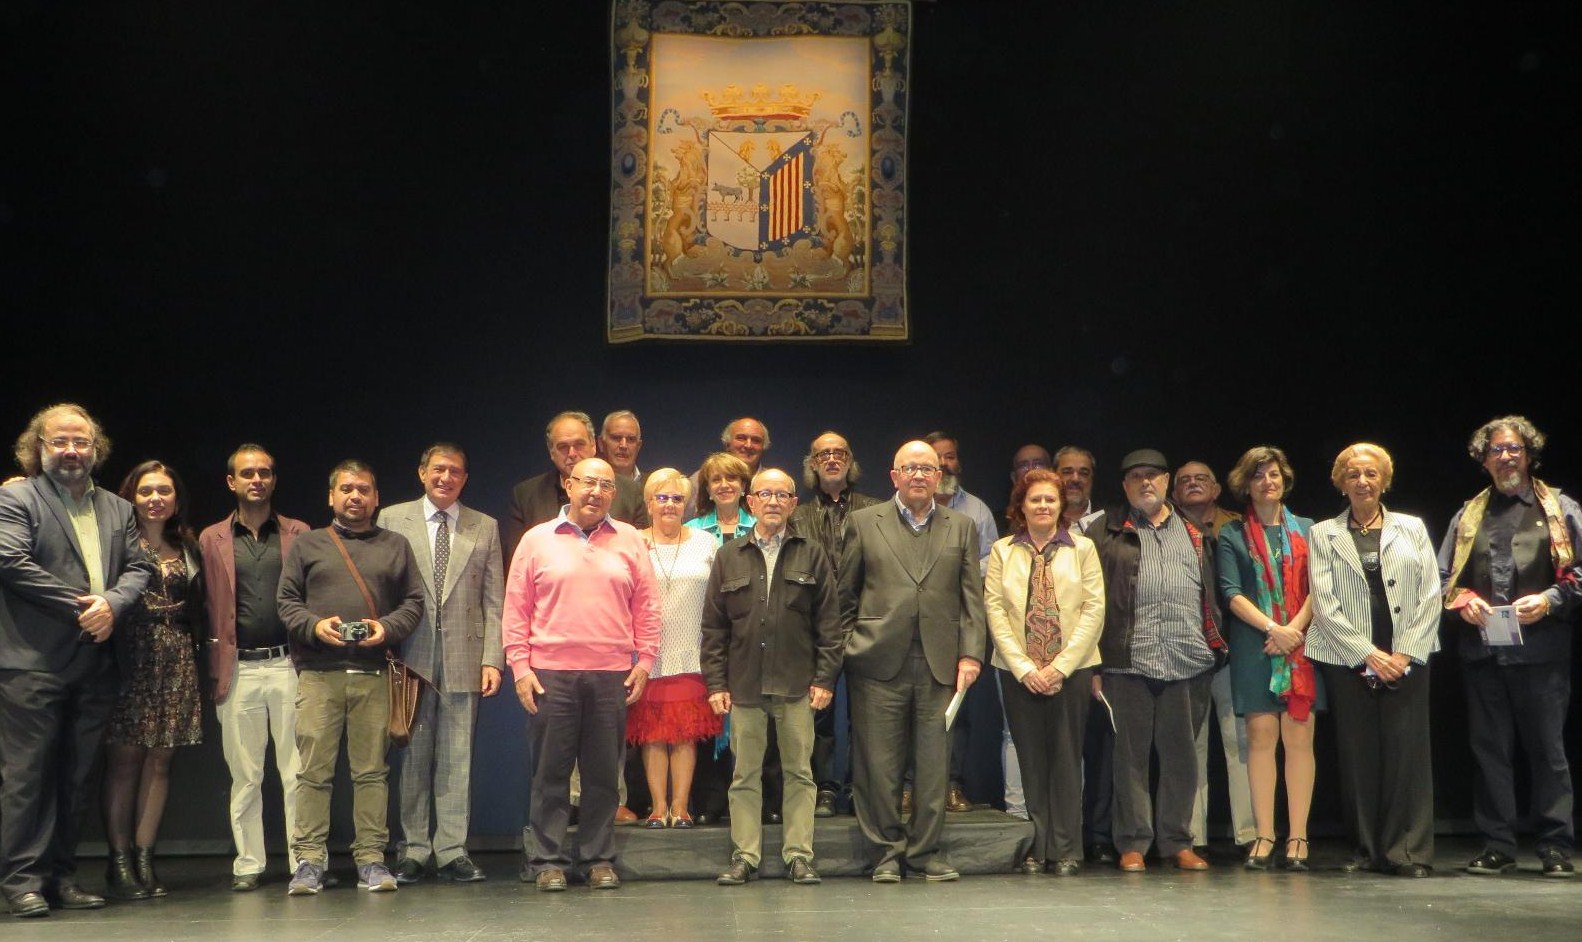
[1386, 765]
[581, 722]
[50, 727]
[1526, 702]
[1098, 775]
[1048, 732]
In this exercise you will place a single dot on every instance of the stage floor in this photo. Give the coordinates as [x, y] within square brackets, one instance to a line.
[1223, 905]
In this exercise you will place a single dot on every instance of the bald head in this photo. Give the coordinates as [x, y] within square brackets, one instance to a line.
[772, 498]
[591, 488]
[915, 474]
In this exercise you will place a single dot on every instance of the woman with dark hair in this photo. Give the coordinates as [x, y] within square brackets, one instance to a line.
[673, 713]
[1262, 562]
[723, 481]
[1376, 609]
[1044, 594]
[158, 707]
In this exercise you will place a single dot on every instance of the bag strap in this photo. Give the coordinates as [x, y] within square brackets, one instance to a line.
[357, 577]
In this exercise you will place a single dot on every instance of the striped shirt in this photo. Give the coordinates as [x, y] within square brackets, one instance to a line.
[1167, 634]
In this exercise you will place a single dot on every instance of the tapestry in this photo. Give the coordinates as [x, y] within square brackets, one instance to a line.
[758, 171]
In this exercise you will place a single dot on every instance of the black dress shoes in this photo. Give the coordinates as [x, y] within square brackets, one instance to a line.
[1101, 854]
[1555, 863]
[28, 905]
[1412, 870]
[824, 806]
[1490, 863]
[72, 896]
[244, 883]
[408, 871]
[1357, 863]
[1066, 867]
[462, 870]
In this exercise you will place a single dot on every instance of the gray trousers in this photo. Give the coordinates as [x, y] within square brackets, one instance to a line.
[1156, 717]
[887, 715]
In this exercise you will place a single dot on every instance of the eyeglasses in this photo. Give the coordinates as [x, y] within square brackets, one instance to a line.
[831, 454]
[60, 443]
[669, 499]
[602, 485]
[1031, 464]
[926, 470]
[781, 496]
[1508, 448]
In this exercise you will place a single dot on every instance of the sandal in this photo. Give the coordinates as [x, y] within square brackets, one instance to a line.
[1255, 860]
[1294, 863]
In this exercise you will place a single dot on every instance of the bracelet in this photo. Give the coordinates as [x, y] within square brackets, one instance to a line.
[1268, 628]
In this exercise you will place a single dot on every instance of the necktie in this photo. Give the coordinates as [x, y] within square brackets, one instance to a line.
[1043, 614]
[441, 561]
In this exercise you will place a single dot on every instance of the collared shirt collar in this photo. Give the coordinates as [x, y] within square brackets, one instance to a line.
[65, 495]
[564, 524]
[238, 528]
[1140, 521]
[910, 518]
[1062, 537]
[452, 513]
[1525, 495]
[841, 498]
[776, 540]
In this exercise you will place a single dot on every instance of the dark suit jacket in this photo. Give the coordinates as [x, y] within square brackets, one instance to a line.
[42, 572]
[540, 498]
[883, 603]
[218, 544]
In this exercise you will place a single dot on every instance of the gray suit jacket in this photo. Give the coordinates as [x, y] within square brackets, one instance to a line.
[468, 603]
[883, 602]
[42, 572]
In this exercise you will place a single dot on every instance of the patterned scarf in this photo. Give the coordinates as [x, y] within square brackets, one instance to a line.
[1561, 553]
[1044, 640]
[1282, 590]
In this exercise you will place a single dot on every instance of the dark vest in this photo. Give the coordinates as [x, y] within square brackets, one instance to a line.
[1547, 640]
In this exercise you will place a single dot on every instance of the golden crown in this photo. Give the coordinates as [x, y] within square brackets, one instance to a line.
[731, 104]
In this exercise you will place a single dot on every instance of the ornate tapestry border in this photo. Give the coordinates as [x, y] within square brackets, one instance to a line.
[837, 269]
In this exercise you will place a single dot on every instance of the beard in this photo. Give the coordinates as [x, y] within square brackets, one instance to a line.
[64, 476]
[949, 484]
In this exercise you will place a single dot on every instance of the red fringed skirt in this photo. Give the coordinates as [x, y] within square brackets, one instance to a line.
[672, 710]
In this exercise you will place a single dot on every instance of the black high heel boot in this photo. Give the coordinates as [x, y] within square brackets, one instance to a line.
[143, 859]
[120, 880]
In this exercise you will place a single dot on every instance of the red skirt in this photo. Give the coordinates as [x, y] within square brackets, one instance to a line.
[672, 710]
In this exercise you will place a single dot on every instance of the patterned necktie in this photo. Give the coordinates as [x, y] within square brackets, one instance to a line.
[441, 560]
[1043, 614]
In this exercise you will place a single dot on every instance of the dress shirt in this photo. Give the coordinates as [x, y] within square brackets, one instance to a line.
[85, 523]
[978, 512]
[770, 549]
[453, 515]
[258, 564]
[910, 519]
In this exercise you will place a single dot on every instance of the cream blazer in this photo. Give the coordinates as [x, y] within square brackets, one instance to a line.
[1079, 594]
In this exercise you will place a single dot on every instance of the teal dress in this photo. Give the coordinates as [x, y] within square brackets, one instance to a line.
[1249, 665]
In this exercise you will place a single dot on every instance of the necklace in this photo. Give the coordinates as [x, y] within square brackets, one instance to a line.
[1365, 528]
[665, 570]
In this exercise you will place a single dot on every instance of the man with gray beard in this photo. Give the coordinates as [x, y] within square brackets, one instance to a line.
[71, 567]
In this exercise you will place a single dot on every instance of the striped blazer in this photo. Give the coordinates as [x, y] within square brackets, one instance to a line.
[1342, 629]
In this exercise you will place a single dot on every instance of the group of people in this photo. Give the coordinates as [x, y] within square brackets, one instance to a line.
[661, 610]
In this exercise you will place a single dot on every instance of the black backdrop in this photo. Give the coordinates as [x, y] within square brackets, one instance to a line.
[352, 228]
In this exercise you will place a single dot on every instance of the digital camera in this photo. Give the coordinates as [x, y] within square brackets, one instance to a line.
[353, 632]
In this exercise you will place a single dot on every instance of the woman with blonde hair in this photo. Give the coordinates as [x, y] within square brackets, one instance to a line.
[673, 712]
[1376, 611]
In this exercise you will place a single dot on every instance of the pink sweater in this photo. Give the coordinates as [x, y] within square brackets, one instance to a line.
[576, 603]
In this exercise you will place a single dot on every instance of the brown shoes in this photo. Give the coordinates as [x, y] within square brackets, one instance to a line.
[1189, 860]
[625, 815]
[551, 880]
[602, 877]
[1132, 862]
[957, 800]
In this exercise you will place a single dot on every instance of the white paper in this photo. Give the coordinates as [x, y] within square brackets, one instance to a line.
[1108, 709]
[955, 706]
[1503, 629]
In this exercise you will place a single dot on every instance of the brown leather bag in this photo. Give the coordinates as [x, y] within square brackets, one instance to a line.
[404, 685]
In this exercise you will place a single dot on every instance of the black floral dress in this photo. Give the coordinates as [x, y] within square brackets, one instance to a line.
[158, 705]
